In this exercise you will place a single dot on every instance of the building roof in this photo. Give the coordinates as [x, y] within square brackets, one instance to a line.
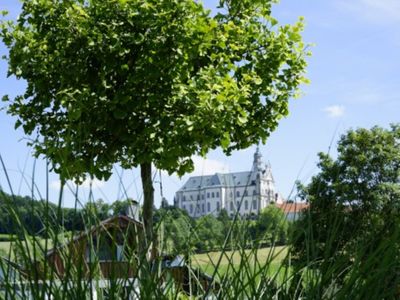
[218, 179]
[292, 207]
[104, 225]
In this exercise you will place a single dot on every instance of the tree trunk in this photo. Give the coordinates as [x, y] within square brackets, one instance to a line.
[148, 192]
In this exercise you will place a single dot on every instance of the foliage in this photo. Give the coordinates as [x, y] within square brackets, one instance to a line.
[148, 82]
[354, 210]
[209, 233]
[154, 73]
[271, 225]
[30, 215]
[176, 226]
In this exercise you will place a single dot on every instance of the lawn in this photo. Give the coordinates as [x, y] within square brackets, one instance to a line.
[265, 259]
[4, 247]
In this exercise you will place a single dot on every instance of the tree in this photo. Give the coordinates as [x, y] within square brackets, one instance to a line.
[148, 82]
[176, 227]
[209, 233]
[272, 225]
[353, 219]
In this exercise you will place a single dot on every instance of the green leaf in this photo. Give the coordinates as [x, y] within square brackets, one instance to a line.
[242, 120]
[119, 114]
[18, 123]
[226, 140]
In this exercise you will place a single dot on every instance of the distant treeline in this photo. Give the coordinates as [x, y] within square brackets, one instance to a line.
[179, 229]
[17, 212]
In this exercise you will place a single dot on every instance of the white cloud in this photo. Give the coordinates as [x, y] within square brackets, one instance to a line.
[334, 111]
[377, 11]
[96, 184]
[204, 166]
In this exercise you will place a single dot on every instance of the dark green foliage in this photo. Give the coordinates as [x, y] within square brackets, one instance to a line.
[209, 233]
[176, 227]
[354, 218]
[271, 226]
[31, 214]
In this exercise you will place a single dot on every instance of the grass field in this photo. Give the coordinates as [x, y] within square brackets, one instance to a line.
[269, 259]
[4, 247]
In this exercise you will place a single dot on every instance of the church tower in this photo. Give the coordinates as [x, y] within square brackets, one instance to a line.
[261, 175]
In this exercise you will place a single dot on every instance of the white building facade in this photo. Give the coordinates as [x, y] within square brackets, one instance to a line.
[248, 192]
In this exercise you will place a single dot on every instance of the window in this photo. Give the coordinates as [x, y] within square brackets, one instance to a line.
[191, 208]
[237, 194]
[184, 198]
[231, 194]
[254, 204]
[191, 197]
[231, 205]
[202, 197]
[120, 253]
[198, 197]
[245, 193]
[208, 207]
[254, 193]
[217, 206]
[217, 194]
[237, 204]
[246, 205]
[212, 195]
[184, 207]
[208, 195]
[202, 207]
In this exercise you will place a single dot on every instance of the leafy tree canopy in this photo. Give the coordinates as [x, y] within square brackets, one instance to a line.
[354, 205]
[148, 82]
[138, 82]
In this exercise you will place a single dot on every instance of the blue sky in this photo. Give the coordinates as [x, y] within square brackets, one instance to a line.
[354, 73]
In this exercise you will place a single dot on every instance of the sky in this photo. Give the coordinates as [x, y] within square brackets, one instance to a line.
[354, 74]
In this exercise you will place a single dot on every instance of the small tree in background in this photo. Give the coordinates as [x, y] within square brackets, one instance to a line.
[271, 225]
[148, 82]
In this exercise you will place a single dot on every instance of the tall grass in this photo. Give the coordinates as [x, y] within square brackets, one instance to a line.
[239, 271]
